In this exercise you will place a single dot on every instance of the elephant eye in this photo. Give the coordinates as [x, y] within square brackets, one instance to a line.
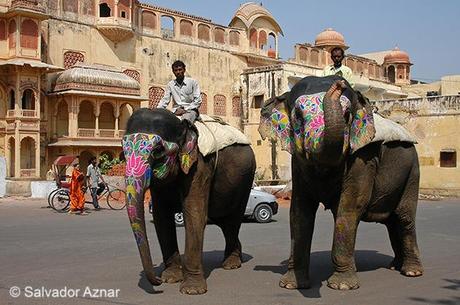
[158, 151]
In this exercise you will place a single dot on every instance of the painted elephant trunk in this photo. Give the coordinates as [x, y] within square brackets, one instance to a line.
[137, 177]
[332, 146]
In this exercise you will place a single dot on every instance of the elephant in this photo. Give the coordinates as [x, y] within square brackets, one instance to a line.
[328, 128]
[162, 154]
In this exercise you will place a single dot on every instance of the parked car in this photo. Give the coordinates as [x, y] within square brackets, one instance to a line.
[261, 207]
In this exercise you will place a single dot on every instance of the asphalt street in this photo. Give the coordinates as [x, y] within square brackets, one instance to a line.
[55, 258]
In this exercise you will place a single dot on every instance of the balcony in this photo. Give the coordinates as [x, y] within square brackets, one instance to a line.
[25, 113]
[114, 28]
[103, 133]
[28, 5]
[27, 173]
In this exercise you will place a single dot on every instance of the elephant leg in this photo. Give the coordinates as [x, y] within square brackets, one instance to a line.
[405, 213]
[302, 220]
[163, 218]
[396, 242]
[230, 227]
[356, 193]
[195, 209]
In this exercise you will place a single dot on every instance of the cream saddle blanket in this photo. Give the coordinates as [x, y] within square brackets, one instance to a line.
[387, 130]
[213, 136]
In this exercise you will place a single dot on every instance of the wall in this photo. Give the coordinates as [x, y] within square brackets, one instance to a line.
[434, 122]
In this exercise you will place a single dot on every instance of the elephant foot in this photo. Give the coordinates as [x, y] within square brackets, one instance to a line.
[172, 274]
[343, 280]
[396, 264]
[412, 269]
[290, 281]
[173, 271]
[194, 285]
[233, 261]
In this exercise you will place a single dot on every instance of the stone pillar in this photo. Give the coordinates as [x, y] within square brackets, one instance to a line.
[37, 156]
[96, 113]
[74, 109]
[277, 48]
[115, 10]
[117, 115]
[17, 151]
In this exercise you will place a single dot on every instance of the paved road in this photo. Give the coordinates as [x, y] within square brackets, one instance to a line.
[41, 248]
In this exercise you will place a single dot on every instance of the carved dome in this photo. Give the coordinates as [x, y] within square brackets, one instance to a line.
[396, 56]
[250, 11]
[330, 38]
[96, 78]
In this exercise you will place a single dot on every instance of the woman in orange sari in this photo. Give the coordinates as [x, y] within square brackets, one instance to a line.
[77, 199]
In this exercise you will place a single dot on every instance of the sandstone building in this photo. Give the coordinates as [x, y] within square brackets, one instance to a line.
[72, 72]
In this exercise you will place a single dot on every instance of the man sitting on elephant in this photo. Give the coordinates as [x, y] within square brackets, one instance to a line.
[185, 93]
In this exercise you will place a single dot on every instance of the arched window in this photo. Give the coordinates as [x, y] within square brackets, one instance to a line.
[303, 54]
[27, 156]
[104, 10]
[272, 41]
[219, 35]
[391, 74]
[28, 100]
[263, 40]
[29, 34]
[220, 107]
[203, 32]
[253, 38]
[186, 28]
[86, 117]
[125, 113]
[149, 20]
[106, 117]
[12, 34]
[236, 106]
[12, 100]
[234, 38]
[123, 8]
[2, 30]
[407, 72]
[314, 57]
[155, 95]
[62, 119]
[167, 27]
[204, 103]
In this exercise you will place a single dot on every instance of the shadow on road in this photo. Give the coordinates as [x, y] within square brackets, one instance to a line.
[454, 300]
[321, 268]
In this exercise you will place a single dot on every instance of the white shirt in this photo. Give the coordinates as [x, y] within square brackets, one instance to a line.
[186, 95]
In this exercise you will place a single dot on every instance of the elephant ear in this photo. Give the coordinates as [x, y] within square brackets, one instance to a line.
[362, 129]
[189, 151]
[275, 123]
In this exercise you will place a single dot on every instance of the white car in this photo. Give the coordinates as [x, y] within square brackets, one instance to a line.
[261, 207]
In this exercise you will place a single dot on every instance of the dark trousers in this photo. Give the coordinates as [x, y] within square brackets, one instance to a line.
[94, 195]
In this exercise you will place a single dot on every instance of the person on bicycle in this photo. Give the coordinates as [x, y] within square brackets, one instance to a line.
[94, 175]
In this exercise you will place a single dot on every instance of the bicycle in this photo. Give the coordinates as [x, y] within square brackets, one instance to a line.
[114, 197]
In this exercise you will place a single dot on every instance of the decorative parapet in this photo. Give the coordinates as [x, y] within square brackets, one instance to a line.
[424, 106]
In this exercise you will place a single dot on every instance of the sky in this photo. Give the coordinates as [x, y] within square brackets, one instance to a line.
[428, 30]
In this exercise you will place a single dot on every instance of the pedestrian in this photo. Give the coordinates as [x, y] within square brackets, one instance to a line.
[94, 175]
[185, 93]
[337, 68]
[77, 198]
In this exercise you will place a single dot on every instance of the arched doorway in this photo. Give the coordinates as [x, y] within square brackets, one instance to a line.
[84, 158]
[12, 147]
[27, 157]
